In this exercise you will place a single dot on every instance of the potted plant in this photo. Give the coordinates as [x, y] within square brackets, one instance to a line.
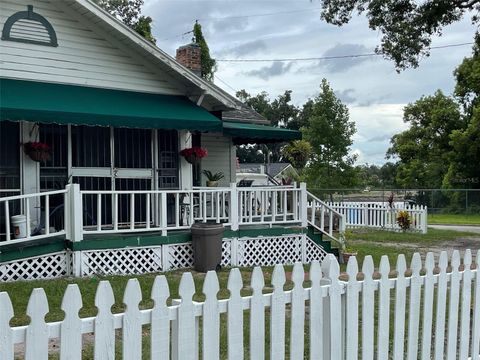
[194, 154]
[403, 220]
[37, 151]
[346, 252]
[213, 179]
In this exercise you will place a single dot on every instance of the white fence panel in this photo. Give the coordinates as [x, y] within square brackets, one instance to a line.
[333, 307]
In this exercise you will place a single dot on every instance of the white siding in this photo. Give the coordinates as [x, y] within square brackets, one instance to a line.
[221, 157]
[84, 56]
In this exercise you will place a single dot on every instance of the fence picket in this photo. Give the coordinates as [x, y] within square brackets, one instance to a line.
[6, 338]
[235, 315]
[453, 303]
[368, 295]
[257, 316]
[414, 307]
[476, 312]
[353, 290]
[186, 333]
[384, 310]
[36, 341]
[428, 307]
[71, 330]
[132, 325]
[332, 272]
[297, 322]
[160, 327]
[441, 304]
[211, 318]
[277, 315]
[316, 312]
[400, 303]
[466, 298]
[104, 325]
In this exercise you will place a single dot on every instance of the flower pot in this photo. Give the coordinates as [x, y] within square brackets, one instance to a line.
[192, 159]
[347, 255]
[212, 183]
[38, 155]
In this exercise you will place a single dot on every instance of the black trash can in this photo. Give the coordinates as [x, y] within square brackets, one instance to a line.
[207, 246]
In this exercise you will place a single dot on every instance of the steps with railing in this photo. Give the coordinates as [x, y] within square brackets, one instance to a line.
[325, 219]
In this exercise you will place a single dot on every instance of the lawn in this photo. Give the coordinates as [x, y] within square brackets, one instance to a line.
[375, 243]
[454, 219]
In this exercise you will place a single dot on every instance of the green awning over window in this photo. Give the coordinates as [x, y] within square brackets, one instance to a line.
[79, 105]
[244, 133]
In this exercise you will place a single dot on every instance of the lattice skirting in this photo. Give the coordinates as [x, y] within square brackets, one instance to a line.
[40, 267]
[261, 251]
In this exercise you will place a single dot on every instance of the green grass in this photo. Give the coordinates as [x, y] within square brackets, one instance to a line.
[454, 219]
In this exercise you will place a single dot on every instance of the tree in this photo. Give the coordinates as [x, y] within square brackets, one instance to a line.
[329, 131]
[407, 26]
[297, 153]
[209, 65]
[424, 149]
[129, 12]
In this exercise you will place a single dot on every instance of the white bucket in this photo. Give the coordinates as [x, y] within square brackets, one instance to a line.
[19, 225]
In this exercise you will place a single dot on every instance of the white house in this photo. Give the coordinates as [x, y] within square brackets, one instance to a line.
[92, 120]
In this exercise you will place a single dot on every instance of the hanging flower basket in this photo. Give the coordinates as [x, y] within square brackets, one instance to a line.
[37, 151]
[193, 155]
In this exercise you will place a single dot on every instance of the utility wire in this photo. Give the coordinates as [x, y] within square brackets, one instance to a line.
[224, 83]
[333, 56]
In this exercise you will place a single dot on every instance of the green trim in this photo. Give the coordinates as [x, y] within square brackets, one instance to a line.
[37, 248]
[29, 15]
[60, 104]
[246, 133]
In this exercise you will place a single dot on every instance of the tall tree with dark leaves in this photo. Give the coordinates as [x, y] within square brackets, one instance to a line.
[209, 65]
[130, 13]
[329, 131]
[407, 26]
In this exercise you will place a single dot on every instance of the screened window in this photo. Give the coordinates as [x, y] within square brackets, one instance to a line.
[54, 172]
[90, 146]
[9, 156]
[168, 159]
[133, 148]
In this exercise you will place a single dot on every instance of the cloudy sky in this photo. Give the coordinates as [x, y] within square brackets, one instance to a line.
[370, 86]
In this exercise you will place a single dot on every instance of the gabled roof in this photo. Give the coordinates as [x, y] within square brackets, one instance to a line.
[199, 90]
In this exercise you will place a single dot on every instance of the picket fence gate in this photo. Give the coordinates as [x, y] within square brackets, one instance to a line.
[426, 312]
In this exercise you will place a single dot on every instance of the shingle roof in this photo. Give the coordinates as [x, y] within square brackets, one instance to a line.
[244, 114]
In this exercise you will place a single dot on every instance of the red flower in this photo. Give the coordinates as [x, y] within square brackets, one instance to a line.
[195, 151]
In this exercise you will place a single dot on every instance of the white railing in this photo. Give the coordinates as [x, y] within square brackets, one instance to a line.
[44, 218]
[332, 319]
[269, 205]
[325, 218]
[139, 211]
[380, 215]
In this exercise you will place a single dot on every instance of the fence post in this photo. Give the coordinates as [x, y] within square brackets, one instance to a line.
[234, 251]
[303, 205]
[233, 207]
[74, 224]
[425, 219]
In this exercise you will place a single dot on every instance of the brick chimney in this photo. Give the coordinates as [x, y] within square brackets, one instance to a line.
[190, 57]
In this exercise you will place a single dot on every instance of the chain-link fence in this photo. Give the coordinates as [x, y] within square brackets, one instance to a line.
[439, 201]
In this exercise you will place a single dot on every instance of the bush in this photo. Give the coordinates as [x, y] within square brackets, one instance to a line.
[403, 220]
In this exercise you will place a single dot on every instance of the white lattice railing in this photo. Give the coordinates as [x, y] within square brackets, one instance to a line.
[46, 215]
[380, 215]
[325, 218]
[430, 309]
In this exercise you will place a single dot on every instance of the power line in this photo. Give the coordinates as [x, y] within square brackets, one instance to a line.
[224, 83]
[258, 15]
[240, 17]
[333, 57]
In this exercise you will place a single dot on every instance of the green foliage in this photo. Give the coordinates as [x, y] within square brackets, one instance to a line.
[329, 131]
[209, 65]
[403, 220]
[407, 26]
[424, 149]
[375, 176]
[297, 153]
[213, 177]
[129, 12]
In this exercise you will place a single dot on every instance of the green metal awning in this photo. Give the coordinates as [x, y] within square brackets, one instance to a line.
[79, 105]
[244, 133]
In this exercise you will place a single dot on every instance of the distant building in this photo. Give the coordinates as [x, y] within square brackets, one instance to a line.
[267, 174]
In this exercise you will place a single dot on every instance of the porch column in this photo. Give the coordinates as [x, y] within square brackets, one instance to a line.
[30, 170]
[186, 171]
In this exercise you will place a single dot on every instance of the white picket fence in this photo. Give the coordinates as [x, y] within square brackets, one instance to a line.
[380, 215]
[429, 311]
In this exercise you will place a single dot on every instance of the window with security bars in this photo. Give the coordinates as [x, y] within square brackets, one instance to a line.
[91, 146]
[168, 171]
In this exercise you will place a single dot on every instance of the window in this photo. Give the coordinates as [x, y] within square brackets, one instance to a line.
[90, 146]
[133, 148]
